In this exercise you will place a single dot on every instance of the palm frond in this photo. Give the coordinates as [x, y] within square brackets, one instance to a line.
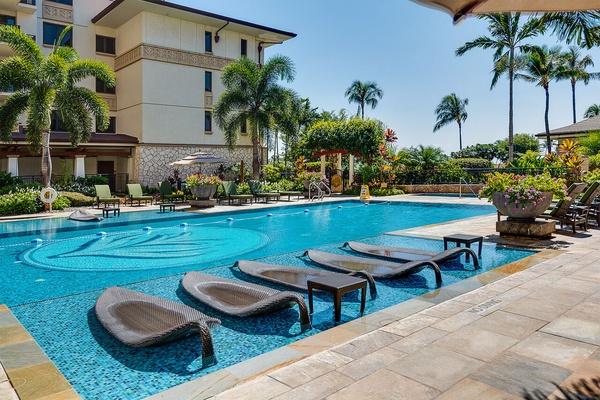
[82, 69]
[15, 74]
[10, 111]
[21, 43]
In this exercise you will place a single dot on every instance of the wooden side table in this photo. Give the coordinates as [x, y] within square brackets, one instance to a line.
[163, 207]
[337, 285]
[115, 210]
[459, 238]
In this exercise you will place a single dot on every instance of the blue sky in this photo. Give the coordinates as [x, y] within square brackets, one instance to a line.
[409, 51]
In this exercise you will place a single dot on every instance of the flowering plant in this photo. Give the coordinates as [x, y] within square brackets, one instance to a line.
[523, 190]
[311, 176]
[202, 180]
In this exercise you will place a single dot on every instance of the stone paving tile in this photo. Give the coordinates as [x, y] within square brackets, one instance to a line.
[310, 368]
[587, 274]
[563, 296]
[472, 389]
[383, 385]
[576, 329]
[410, 324]
[418, 340]
[566, 353]
[22, 355]
[263, 387]
[536, 308]
[456, 321]
[37, 381]
[478, 296]
[13, 334]
[577, 285]
[513, 294]
[371, 363]
[476, 343]
[586, 310]
[435, 366]
[447, 309]
[7, 392]
[509, 324]
[367, 344]
[514, 373]
[319, 388]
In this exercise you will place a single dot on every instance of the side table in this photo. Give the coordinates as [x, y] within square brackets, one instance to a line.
[459, 238]
[163, 207]
[337, 285]
[115, 210]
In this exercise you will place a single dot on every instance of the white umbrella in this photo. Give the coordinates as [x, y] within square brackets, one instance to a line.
[199, 157]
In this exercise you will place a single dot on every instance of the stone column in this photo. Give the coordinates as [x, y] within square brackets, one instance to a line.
[79, 167]
[339, 164]
[323, 165]
[13, 165]
[351, 172]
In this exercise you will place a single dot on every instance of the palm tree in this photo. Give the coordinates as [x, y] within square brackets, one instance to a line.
[248, 91]
[574, 70]
[507, 38]
[592, 111]
[542, 67]
[43, 83]
[451, 109]
[364, 93]
[581, 27]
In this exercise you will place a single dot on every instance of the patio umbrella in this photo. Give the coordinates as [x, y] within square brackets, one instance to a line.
[459, 9]
[199, 158]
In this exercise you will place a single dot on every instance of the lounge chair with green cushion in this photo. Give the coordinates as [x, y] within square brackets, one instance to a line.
[103, 196]
[134, 190]
[230, 190]
[259, 193]
[167, 195]
[566, 213]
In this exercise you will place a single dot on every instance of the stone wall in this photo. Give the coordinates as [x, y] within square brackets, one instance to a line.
[151, 162]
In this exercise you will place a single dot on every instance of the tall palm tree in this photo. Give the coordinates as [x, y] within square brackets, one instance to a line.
[580, 27]
[43, 83]
[248, 91]
[507, 38]
[542, 67]
[574, 70]
[592, 111]
[363, 94]
[451, 109]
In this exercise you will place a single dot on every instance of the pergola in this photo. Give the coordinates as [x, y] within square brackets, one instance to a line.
[460, 9]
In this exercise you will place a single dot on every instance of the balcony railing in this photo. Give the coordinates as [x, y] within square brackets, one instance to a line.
[28, 2]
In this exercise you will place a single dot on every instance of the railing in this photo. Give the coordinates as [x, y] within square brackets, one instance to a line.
[28, 2]
[319, 190]
[460, 187]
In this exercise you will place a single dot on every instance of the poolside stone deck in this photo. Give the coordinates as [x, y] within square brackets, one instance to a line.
[521, 326]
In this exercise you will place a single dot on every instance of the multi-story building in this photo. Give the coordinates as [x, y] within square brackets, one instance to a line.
[167, 60]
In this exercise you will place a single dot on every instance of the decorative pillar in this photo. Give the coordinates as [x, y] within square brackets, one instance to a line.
[351, 172]
[79, 167]
[323, 165]
[339, 164]
[13, 165]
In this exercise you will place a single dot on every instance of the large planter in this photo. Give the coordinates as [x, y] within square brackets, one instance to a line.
[204, 192]
[526, 215]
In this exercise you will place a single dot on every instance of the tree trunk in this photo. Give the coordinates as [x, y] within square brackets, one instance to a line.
[548, 141]
[46, 160]
[460, 136]
[255, 157]
[362, 109]
[511, 78]
[573, 93]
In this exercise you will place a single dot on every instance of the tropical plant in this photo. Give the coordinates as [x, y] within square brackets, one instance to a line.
[202, 180]
[580, 27]
[367, 93]
[43, 83]
[569, 157]
[592, 111]
[522, 143]
[543, 66]
[574, 70]
[590, 144]
[248, 90]
[523, 190]
[507, 38]
[481, 151]
[426, 157]
[339, 116]
[451, 109]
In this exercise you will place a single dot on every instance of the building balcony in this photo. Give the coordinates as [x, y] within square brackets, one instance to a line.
[26, 6]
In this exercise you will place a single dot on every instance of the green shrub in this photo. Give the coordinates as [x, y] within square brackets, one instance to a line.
[92, 180]
[351, 191]
[594, 162]
[472, 162]
[26, 202]
[385, 192]
[243, 188]
[283, 185]
[61, 203]
[271, 173]
[77, 199]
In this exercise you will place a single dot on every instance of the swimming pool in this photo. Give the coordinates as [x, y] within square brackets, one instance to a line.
[59, 280]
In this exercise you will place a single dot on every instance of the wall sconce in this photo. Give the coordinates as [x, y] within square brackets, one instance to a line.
[217, 37]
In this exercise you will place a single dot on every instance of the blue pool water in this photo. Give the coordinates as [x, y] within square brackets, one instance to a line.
[52, 286]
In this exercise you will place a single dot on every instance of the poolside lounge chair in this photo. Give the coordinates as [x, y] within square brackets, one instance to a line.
[380, 269]
[230, 190]
[140, 320]
[407, 254]
[241, 299]
[135, 194]
[259, 193]
[566, 213]
[295, 277]
[290, 193]
[588, 200]
[103, 196]
[166, 193]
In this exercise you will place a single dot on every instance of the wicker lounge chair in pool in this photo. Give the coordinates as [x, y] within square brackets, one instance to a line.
[140, 320]
[259, 192]
[103, 196]
[295, 277]
[407, 254]
[380, 269]
[167, 195]
[84, 215]
[241, 299]
[230, 190]
[135, 194]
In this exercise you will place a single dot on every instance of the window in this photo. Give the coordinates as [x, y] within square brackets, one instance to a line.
[105, 44]
[67, 2]
[112, 126]
[52, 32]
[208, 42]
[7, 20]
[102, 88]
[244, 128]
[244, 47]
[207, 121]
[56, 123]
[207, 81]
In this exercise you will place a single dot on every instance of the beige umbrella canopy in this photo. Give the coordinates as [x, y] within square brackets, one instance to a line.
[199, 158]
[459, 9]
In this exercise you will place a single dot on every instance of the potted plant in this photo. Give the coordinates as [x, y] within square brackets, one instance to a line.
[522, 197]
[203, 187]
[307, 177]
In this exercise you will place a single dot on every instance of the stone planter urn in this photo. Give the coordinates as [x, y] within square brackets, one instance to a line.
[519, 215]
[204, 195]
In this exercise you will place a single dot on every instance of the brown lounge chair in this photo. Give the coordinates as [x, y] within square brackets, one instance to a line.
[566, 213]
[406, 254]
[140, 320]
[380, 269]
[241, 299]
[295, 277]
